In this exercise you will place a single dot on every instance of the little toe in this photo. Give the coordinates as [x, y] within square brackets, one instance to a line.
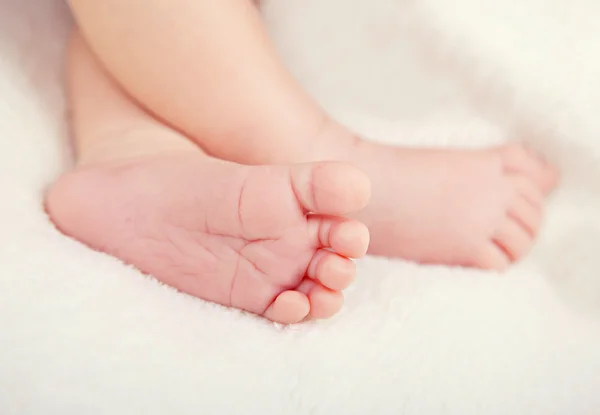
[525, 214]
[290, 307]
[549, 175]
[330, 188]
[347, 237]
[333, 271]
[520, 160]
[550, 178]
[324, 303]
[527, 189]
[513, 239]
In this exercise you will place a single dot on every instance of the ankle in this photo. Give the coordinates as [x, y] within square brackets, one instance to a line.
[304, 138]
[336, 142]
[131, 143]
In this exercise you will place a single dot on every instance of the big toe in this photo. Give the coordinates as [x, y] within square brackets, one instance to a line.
[513, 239]
[519, 159]
[330, 188]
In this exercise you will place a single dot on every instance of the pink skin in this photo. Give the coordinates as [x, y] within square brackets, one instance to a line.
[478, 208]
[270, 240]
[235, 98]
[234, 235]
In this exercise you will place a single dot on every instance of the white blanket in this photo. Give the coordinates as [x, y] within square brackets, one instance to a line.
[80, 333]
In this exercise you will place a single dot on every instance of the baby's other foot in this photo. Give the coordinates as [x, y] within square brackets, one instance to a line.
[267, 239]
[480, 208]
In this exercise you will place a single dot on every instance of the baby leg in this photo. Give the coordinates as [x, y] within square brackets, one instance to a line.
[208, 69]
[268, 239]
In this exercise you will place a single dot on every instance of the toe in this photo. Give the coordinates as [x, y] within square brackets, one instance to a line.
[527, 189]
[492, 257]
[331, 270]
[347, 237]
[290, 307]
[330, 188]
[550, 178]
[513, 239]
[324, 303]
[520, 160]
[526, 215]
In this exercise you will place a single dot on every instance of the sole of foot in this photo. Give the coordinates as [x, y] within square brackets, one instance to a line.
[270, 240]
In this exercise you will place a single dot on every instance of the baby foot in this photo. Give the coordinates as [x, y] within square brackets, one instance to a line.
[268, 239]
[479, 208]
